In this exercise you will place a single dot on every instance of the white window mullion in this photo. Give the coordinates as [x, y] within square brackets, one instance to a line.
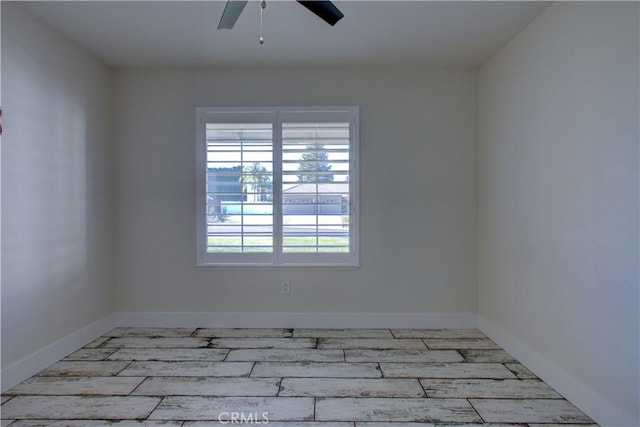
[354, 189]
[277, 189]
[201, 188]
[242, 201]
[317, 217]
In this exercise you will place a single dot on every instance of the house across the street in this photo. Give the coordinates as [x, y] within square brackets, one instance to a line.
[326, 198]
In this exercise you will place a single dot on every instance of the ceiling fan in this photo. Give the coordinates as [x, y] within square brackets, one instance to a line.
[323, 9]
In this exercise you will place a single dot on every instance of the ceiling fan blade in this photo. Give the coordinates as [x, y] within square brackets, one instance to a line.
[325, 10]
[232, 11]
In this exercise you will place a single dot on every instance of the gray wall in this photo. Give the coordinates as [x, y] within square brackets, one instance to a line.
[558, 192]
[417, 180]
[57, 222]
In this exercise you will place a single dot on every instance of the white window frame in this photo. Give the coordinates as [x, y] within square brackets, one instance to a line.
[276, 116]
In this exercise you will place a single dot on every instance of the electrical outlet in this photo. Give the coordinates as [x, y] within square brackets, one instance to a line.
[285, 287]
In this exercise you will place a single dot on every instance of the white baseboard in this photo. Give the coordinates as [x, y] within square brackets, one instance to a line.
[600, 409]
[298, 320]
[28, 366]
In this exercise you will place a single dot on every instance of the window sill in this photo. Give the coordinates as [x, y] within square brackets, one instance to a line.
[307, 267]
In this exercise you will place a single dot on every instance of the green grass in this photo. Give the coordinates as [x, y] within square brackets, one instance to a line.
[233, 244]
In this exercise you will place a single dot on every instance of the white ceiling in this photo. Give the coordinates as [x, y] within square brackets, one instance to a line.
[390, 33]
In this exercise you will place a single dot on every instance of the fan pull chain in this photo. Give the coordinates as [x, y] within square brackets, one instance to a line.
[263, 6]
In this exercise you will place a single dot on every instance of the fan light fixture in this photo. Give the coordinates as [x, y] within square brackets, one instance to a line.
[325, 10]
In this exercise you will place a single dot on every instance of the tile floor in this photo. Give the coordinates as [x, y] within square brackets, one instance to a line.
[287, 377]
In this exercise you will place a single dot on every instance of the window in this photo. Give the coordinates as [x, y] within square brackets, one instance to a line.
[277, 186]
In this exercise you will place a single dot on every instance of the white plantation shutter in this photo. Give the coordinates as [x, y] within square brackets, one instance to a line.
[239, 184]
[277, 186]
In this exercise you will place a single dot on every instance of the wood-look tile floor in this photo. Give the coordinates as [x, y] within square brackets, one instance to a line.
[287, 377]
